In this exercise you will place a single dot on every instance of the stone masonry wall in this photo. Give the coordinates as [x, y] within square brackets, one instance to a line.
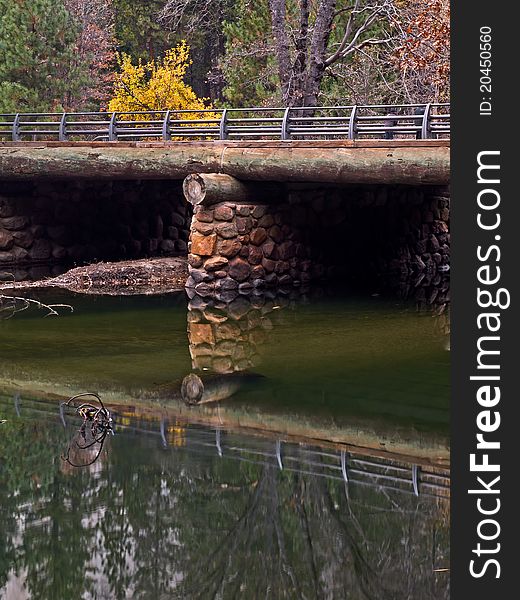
[342, 234]
[245, 247]
[74, 222]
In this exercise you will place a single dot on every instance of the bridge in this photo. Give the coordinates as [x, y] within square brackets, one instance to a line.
[275, 196]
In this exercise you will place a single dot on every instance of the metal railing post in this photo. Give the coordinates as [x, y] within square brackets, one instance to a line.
[166, 135]
[286, 133]
[344, 468]
[218, 441]
[15, 133]
[163, 433]
[279, 454]
[415, 479]
[425, 129]
[222, 129]
[112, 128]
[352, 123]
[62, 135]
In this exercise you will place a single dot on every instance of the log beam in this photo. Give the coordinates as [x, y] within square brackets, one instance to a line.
[211, 188]
[420, 164]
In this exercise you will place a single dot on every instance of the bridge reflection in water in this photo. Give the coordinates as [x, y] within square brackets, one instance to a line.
[181, 510]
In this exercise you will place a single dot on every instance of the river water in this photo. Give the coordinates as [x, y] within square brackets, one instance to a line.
[314, 465]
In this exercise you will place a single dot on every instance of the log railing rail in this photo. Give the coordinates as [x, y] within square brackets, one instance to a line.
[381, 121]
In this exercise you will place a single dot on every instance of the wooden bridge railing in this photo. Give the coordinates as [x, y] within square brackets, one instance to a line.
[405, 121]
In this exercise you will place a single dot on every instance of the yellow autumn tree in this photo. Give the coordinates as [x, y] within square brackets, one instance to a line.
[156, 85]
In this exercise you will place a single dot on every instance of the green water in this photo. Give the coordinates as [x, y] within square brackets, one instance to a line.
[368, 356]
[163, 514]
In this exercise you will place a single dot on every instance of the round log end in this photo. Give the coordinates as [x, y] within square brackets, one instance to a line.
[194, 189]
[192, 389]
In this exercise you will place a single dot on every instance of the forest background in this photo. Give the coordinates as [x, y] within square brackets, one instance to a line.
[79, 55]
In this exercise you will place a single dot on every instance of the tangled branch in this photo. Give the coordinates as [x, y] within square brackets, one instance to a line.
[96, 426]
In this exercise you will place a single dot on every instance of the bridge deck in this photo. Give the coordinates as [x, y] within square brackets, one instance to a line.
[411, 162]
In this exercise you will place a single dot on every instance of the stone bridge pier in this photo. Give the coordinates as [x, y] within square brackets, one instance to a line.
[248, 236]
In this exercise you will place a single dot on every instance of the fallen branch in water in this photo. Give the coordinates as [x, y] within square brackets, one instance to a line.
[10, 305]
[97, 424]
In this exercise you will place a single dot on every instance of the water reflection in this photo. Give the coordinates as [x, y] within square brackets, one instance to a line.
[183, 504]
[228, 337]
[87, 443]
[182, 511]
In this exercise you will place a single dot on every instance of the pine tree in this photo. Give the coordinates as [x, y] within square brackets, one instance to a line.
[138, 31]
[36, 47]
[249, 66]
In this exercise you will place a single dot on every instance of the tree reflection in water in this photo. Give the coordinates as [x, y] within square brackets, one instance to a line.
[184, 522]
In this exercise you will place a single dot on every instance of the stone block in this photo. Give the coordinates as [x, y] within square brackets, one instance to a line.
[222, 365]
[215, 263]
[19, 254]
[244, 224]
[223, 213]
[14, 223]
[228, 331]
[204, 228]
[258, 236]
[204, 215]
[243, 210]
[286, 250]
[229, 248]
[167, 246]
[24, 239]
[156, 226]
[266, 221]
[179, 221]
[214, 315]
[239, 269]
[268, 265]
[59, 253]
[255, 255]
[201, 333]
[226, 284]
[194, 260]
[6, 240]
[227, 230]
[245, 288]
[257, 272]
[258, 211]
[238, 308]
[181, 246]
[205, 289]
[276, 234]
[203, 244]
